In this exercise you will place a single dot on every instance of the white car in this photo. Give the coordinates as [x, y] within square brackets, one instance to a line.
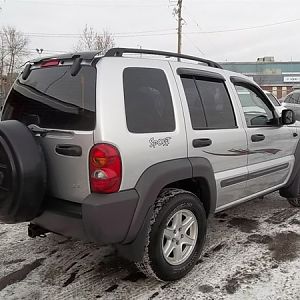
[279, 108]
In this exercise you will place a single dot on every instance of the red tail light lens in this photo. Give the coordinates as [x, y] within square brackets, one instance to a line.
[50, 63]
[105, 169]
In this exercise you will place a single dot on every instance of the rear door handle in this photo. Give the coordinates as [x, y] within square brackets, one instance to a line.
[257, 137]
[198, 143]
[68, 150]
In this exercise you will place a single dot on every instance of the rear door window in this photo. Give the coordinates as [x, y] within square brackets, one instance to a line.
[217, 104]
[148, 101]
[52, 98]
[195, 105]
[209, 103]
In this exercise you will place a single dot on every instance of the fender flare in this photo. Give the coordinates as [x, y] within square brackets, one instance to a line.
[291, 189]
[149, 185]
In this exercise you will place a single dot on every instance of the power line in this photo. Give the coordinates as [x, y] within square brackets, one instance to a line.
[245, 28]
[194, 44]
[94, 3]
[163, 32]
[31, 50]
[117, 34]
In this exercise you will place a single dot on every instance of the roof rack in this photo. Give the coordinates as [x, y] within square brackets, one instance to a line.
[118, 52]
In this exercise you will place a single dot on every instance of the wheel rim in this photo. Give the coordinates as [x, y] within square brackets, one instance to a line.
[179, 237]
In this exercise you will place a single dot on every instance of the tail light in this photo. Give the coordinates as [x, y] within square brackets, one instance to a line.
[50, 63]
[105, 169]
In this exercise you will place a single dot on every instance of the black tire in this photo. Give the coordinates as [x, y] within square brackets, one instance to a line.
[294, 201]
[22, 173]
[170, 201]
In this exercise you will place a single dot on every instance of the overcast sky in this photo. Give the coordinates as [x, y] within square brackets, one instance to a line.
[222, 30]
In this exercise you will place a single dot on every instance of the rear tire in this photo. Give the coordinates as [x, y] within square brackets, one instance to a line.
[176, 235]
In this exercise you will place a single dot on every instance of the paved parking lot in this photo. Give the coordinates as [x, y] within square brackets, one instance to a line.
[252, 252]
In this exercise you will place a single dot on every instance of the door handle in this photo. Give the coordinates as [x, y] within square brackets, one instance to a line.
[68, 150]
[198, 143]
[257, 137]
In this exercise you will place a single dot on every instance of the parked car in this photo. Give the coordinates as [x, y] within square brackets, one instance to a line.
[138, 152]
[275, 102]
[292, 101]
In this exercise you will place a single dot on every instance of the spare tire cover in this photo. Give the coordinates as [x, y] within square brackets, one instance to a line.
[22, 173]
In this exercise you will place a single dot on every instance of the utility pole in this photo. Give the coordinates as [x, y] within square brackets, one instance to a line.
[178, 11]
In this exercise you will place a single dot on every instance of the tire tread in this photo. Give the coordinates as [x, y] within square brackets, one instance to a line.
[166, 195]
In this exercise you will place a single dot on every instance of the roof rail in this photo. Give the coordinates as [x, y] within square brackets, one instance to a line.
[120, 51]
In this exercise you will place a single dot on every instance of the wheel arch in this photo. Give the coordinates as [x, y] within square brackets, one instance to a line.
[291, 189]
[173, 173]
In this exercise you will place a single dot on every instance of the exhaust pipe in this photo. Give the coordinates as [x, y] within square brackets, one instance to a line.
[36, 230]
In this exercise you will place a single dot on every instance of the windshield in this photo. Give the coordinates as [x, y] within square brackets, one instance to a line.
[53, 98]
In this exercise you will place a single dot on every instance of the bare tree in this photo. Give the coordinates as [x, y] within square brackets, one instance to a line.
[3, 54]
[16, 43]
[12, 52]
[93, 40]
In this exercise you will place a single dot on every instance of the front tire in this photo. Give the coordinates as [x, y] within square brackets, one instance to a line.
[176, 236]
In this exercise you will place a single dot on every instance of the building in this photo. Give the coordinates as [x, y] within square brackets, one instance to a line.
[279, 78]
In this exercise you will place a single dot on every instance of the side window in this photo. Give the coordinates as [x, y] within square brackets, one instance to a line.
[217, 104]
[209, 103]
[296, 97]
[256, 112]
[195, 105]
[289, 99]
[148, 101]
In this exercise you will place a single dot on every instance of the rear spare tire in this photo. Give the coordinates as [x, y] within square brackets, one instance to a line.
[22, 173]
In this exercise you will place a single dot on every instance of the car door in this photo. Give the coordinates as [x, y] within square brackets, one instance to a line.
[214, 130]
[270, 145]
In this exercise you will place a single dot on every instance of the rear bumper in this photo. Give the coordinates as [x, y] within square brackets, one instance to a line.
[101, 218]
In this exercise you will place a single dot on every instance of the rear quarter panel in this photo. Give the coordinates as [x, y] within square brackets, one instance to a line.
[138, 150]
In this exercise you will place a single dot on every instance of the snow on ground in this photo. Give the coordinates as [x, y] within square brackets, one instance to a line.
[252, 252]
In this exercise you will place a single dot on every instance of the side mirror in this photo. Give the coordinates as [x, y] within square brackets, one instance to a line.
[288, 117]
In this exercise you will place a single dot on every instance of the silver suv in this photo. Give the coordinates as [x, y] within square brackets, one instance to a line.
[136, 150]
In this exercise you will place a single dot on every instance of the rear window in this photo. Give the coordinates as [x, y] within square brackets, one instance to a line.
[148, 101]
[52, 98]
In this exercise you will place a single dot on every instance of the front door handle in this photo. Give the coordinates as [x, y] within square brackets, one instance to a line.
[257, 137]
[198, 143]
[68, 150]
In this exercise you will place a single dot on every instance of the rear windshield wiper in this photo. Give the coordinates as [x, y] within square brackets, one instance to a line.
[43, 132]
